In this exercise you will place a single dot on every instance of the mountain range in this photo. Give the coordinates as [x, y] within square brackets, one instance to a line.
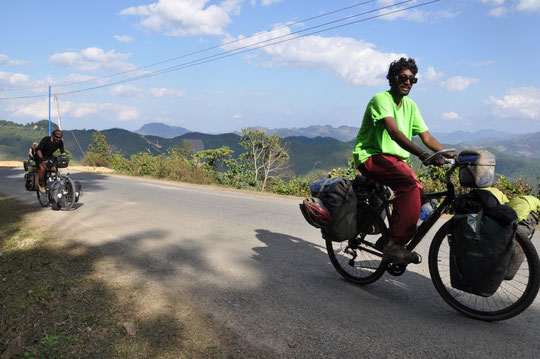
[516, 155]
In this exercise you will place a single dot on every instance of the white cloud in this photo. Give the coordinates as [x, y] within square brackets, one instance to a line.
[126, 90]
[528, 5]
[162, 92]
[452, 116]
[400, 11]
[432, 75]
[355, 61]
[93, 60]
[502, 7]
[6, 61]
[523, 102]
[123, 38]
[185, 17]
[9, 78]
[89, 111]
[237, 116]
[270, 2]
[458, 83]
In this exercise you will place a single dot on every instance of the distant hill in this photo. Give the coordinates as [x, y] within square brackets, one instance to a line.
[161, 130]
[523, 146]
[516, 156]
[457, 137]
[341, 133]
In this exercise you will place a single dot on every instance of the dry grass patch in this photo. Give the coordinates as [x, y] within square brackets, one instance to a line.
[58, 300]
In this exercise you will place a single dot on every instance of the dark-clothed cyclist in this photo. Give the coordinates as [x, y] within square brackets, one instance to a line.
[44, 154]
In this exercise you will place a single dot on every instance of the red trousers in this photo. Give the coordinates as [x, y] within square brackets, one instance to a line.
[394, 173]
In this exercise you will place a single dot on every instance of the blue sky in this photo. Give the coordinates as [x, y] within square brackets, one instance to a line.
[478, 62]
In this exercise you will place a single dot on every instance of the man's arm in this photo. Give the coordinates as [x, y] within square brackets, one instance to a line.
[432, 143]
[393, 130]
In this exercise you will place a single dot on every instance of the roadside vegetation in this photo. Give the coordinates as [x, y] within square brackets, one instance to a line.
[262, 167]
[57, 300]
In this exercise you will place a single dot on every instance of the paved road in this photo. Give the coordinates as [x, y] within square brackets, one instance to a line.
[255, 266]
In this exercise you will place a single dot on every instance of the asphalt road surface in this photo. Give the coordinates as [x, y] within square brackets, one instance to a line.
[254, 265]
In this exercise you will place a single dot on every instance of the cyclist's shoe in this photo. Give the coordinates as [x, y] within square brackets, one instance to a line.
[42, 190]
[396, 253]
[381, 243]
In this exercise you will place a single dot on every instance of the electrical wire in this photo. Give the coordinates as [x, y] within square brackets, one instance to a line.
[199, 51]
[252, 47]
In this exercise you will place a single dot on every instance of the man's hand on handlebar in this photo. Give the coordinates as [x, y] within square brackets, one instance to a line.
[437, 159]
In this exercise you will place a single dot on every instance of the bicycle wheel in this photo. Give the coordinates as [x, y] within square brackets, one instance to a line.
[68, 194]
[43, 198]
[512, 297]
[358, 260]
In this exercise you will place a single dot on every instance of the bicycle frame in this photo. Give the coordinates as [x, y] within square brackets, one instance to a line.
[449, 195]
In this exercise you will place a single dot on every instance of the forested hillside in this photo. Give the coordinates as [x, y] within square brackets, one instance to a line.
[305, 154]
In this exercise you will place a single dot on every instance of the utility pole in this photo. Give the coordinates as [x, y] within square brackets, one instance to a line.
[49, 110]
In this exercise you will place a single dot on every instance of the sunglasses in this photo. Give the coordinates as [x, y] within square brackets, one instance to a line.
[403, 79]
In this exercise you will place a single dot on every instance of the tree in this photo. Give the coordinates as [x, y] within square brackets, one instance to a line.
[214, 158]
[99, 151]
[266, 155]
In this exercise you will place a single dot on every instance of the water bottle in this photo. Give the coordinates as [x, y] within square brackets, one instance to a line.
[425, 210]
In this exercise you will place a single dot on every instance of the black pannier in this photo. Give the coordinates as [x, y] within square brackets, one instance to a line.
[78, 190]
[477, 169]
[339, 198]
[31, 180]
[56, 192]
[61, 161]
[481, 243]
[372, 193]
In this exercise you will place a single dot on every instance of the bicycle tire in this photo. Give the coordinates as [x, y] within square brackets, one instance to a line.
[68, 194]
[358, 260]
[512, 297]
[43, 198]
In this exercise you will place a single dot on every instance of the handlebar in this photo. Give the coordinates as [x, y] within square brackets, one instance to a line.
[447, 161]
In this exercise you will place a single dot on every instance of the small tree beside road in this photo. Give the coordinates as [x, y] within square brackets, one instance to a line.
[265, 154]
[99, 152]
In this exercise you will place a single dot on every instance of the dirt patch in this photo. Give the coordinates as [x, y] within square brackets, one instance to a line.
[74, 168]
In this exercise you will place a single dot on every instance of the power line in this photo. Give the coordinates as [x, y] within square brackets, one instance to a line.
[252, 47]
[196, 52]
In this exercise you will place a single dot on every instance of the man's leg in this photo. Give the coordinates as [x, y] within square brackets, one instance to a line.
[395, 174]
[41, 168]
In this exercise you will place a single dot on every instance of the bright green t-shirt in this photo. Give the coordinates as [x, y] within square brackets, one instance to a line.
[373, 139]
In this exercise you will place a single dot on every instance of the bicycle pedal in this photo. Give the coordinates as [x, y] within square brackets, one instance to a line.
[418, 259]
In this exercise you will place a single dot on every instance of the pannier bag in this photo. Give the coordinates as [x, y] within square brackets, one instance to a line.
[56, 192]
[338, 198]
[481, 243]
[372, 193]
[525, 207]
[62, 161]
[78, 190]
[477, 170]
[31, 180]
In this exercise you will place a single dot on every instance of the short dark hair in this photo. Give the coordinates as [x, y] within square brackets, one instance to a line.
[402, 64]
[55, 132]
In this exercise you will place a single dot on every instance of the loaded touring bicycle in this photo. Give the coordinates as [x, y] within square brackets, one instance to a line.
[481, 267]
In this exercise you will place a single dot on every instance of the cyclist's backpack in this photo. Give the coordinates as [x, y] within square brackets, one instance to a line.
[372, 193]
[31, 180]
[338, 197]
[477, 170]
[481, 243]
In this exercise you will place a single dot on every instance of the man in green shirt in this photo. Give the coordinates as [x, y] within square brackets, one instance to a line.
[384, 143]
